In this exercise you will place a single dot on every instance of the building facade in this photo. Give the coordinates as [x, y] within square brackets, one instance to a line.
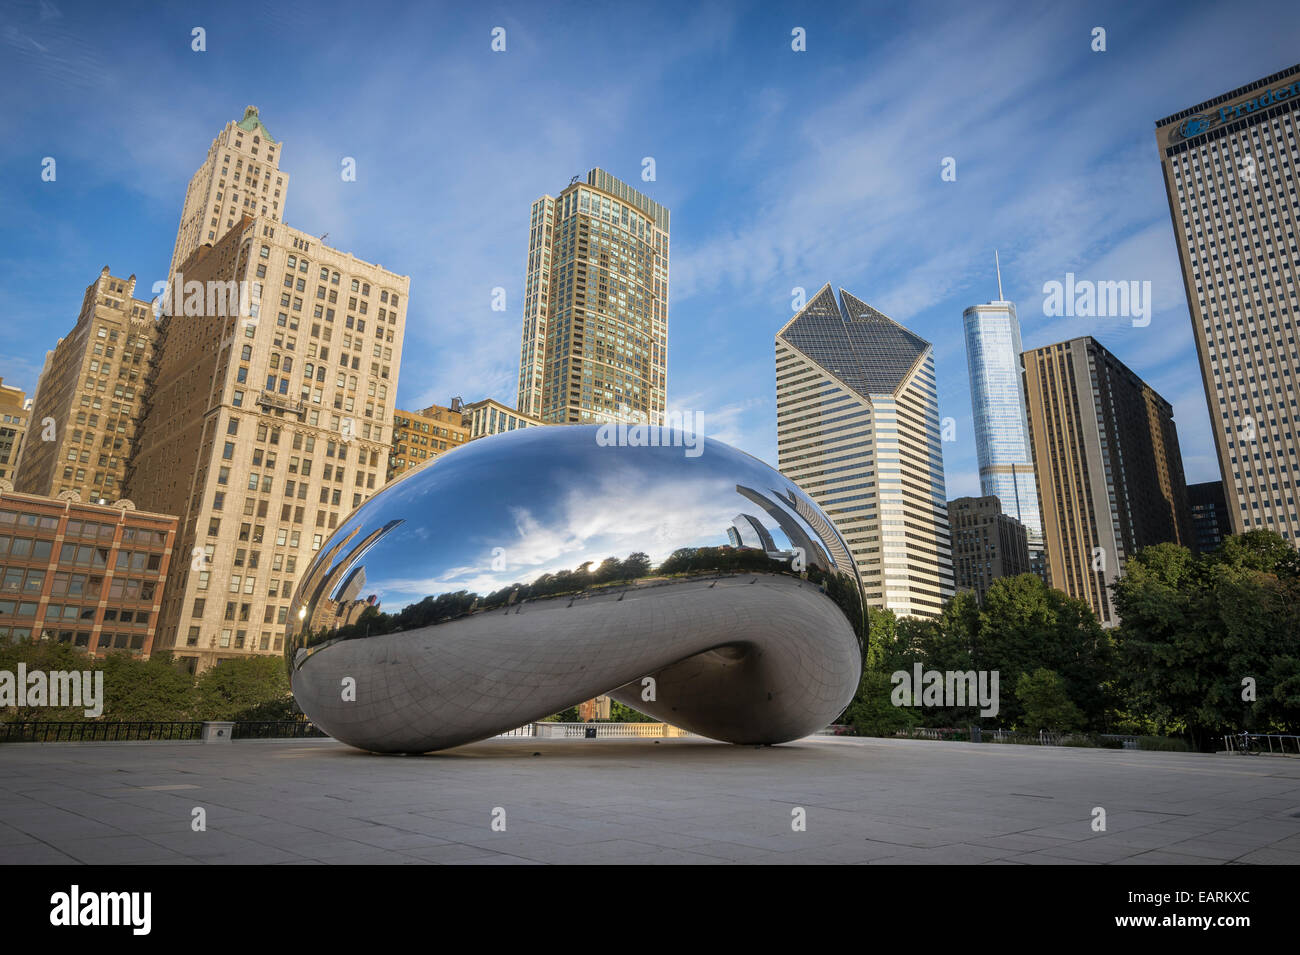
[997, 398]
[490, 416]
[986, 544]
[1230, 167]
[91, 393]
[1110, 476]
[420, 436]
[595, 334]
[14, 412]
[1210, 520]
[241, 176]
[858, 430]
[82, 574]
[264, 430]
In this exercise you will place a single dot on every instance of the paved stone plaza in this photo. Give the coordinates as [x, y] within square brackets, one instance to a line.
[641, 801]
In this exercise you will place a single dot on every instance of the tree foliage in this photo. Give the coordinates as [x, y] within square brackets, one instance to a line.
[1198, 632]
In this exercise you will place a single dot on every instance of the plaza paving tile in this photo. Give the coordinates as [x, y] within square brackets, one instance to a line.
[611, 801]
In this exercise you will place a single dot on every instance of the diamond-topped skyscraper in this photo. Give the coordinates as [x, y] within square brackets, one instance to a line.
[997, 399]
[858, 430]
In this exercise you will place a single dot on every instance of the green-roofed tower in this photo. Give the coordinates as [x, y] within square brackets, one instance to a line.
[240, 176]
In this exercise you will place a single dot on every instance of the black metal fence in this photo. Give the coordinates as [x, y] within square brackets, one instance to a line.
[277, 729]
[96, 732]
[92, 731]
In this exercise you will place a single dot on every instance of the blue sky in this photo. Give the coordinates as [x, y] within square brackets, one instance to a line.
[781, 169]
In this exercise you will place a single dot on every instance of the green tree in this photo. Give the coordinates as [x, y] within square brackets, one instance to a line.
[1193, 629]
[250, 688]
[1045, 703]
[46, 656]
[636, 566]
[610, 569]
[146, 690]
[1025, 625]
[621, 713]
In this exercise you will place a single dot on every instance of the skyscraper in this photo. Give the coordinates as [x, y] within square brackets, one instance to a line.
[263, 431]
[858, 430]
[997, 399]
[1230, 166]
[90, 392]
[1110, 477]
[595, 336]
[13, 426]
[986, 543]
[1210, 523]
[240, 176]
[266, 423]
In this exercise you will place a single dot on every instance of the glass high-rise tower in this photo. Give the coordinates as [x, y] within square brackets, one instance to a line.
[997, 399]
[595, 336]
[1230, 166]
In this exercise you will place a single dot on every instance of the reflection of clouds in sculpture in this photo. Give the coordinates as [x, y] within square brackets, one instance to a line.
[620, 515]
[410, 596]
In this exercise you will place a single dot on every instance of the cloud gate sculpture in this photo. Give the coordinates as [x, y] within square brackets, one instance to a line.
[524, 573]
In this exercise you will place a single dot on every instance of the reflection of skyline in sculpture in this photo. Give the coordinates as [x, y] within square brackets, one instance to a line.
[765, 541]
[332, 593]
[828, 535]
[745, 643]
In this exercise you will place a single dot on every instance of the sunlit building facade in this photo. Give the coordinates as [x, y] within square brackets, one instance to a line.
[489, 416]
[86, 575]
[1231, 166]
[1110, 475]
[240, 176]
[264, 431]
[90, 396]
[420, 436]
[595, 335]
[858, 430]
[14, 410]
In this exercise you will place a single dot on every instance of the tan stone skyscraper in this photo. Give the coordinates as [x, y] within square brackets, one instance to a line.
[90, 392]
[1230, 165]
[264, 431]
[13, 425]
[240, 176]
[857, 427]
[1110, 477]
[595, 337]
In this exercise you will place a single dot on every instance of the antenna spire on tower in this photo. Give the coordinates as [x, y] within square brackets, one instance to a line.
[998, 264]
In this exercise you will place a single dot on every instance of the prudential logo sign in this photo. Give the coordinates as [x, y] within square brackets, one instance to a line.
[1194, 126]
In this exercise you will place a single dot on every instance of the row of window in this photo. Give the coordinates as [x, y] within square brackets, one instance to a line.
[237, 639]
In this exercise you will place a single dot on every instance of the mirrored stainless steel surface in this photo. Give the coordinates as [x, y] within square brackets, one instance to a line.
[523, 573]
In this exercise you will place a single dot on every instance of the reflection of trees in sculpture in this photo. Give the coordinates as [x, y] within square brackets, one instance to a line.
[581, 581]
